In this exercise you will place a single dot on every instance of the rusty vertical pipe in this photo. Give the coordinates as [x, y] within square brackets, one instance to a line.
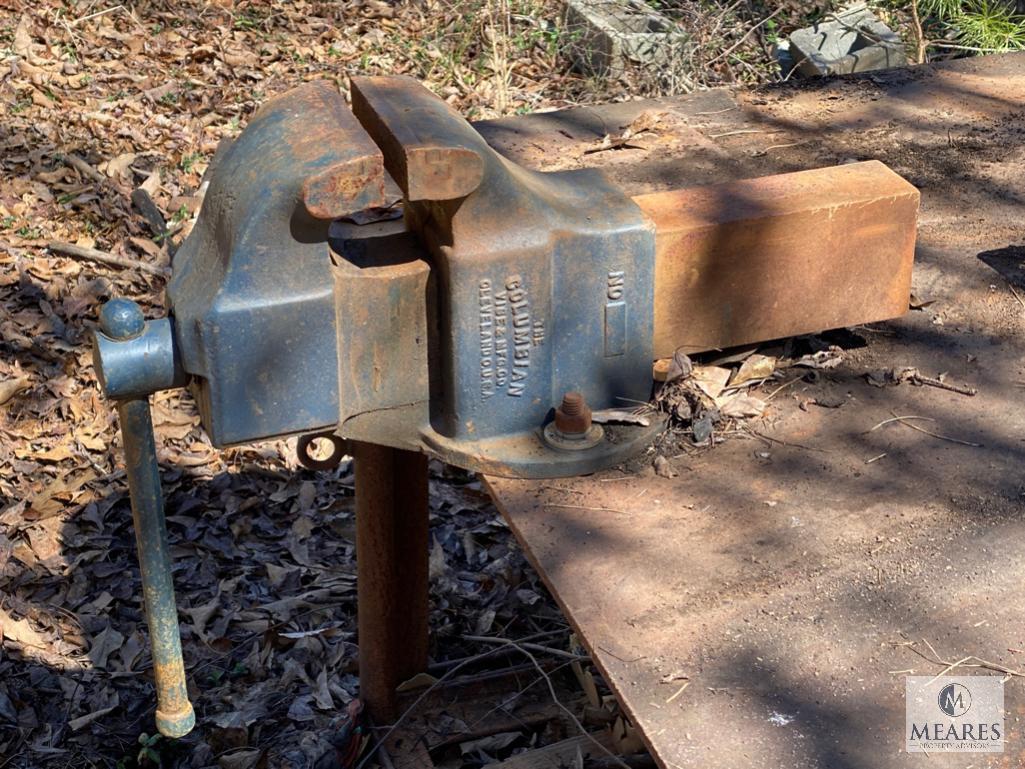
[391, 562]
[174, 716]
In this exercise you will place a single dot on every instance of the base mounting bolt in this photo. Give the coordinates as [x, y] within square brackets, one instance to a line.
[573, 417]
[572, 429]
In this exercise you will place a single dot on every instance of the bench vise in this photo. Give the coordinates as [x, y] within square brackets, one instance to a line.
[482, 326]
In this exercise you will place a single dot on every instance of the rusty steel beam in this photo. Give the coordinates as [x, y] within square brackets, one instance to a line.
[391, 571]
[773, 257]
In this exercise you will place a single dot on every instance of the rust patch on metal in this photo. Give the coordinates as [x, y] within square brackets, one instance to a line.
[573, 416]
[345, 188]
[354, 178]
[419, 152]
[781, 255]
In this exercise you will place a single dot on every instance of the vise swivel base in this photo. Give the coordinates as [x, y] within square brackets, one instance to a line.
[479, 328]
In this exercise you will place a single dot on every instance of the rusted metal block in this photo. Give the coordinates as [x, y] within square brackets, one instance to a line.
[781, 255]
[381, 299]
[415, 134]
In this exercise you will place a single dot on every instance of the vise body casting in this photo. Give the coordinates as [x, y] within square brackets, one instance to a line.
[455, 330]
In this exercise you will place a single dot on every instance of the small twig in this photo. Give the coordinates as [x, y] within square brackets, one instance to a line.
[592, 509]
[104, 12]
[955, 47]
[532, 646]
[742, 131]
[14, 754]
[104, 257]
[616, 656]
[947, 669]
[1016, 296]
[876, 458]
[508, 703]
[721, 18]
[895, 419]
[903, 421]
[760, 153]
[941, 385]
[770, 439]
[969, 662]
[942, 437]
[450, 673]
[717, 111]
[748, 34]
[782, 387]
[437, 666]
[558, 703]
[384, 756]
[81, 166]
[563, 489]
[870, 330]
[678, 692]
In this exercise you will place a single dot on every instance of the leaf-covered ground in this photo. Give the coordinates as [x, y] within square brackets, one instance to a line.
[97, 101]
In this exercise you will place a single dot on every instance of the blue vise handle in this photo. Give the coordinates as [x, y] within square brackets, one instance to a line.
[133, 358]
[306, 162]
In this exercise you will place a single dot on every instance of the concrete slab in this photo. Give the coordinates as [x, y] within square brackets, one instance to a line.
[853, 40]
[605, 35]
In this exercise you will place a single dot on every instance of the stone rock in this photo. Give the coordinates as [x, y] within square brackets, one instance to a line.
[604, 35]
[853, 40]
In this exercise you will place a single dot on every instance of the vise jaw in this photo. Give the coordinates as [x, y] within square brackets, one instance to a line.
[539, 284]
[455, 331]
[251, 288]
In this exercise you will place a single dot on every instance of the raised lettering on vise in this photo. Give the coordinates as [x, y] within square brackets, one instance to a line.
[615, 314]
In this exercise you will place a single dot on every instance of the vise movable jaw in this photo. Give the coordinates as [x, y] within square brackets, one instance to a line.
[455, 331]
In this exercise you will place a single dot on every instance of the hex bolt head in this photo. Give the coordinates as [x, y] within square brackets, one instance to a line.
[573, 417]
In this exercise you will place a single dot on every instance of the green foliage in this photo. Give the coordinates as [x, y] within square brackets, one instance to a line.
[248, 19]
[992, 26]
[190, 160]
[987, 25]
[147, 753]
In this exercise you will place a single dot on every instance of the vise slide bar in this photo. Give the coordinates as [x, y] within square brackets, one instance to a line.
[458, 329]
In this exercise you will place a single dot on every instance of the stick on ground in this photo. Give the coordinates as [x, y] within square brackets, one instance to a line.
[104, 257]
